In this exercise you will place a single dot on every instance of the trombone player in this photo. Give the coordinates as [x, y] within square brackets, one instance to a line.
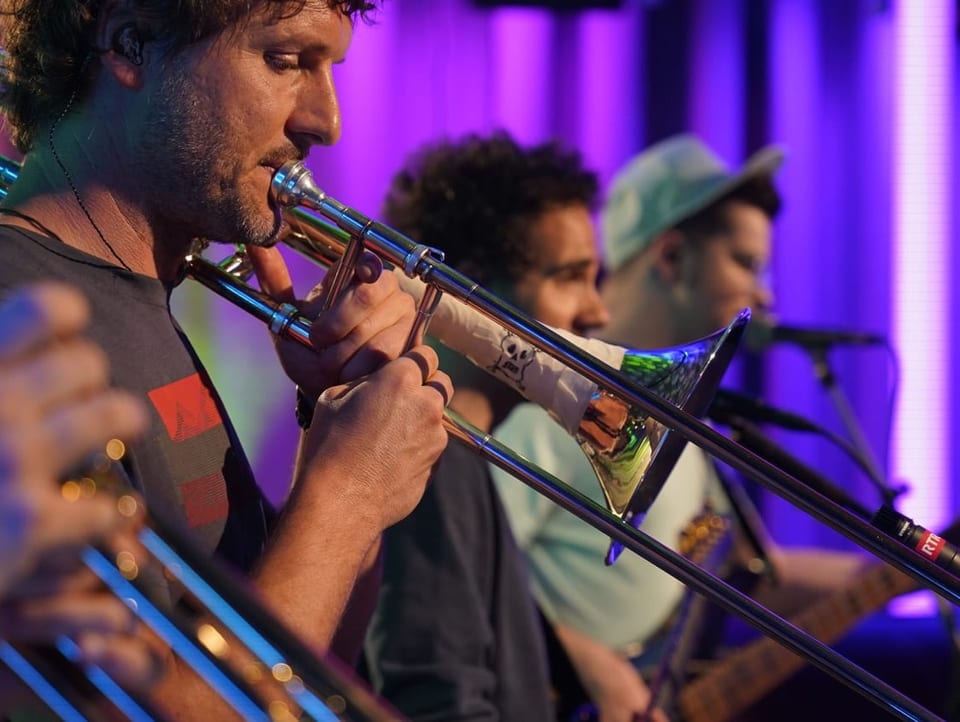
[145, 126]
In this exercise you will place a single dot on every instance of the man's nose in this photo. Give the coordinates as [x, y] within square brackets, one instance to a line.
[763, 299]
[316, 118]
[593, 313]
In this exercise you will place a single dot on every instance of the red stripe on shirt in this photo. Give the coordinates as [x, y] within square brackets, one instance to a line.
[204, 499]
[186, 407]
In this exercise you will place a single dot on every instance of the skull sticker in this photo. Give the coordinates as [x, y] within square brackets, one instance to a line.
[515, 356]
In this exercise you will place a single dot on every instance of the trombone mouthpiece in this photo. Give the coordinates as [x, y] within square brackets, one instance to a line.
[292, 185]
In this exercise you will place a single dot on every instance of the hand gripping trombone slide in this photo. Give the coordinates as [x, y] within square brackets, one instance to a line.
[651, 421]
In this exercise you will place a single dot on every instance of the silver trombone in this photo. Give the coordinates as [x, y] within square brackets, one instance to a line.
[340, 233]
[315, 238]
[322, 238]
[217, 627]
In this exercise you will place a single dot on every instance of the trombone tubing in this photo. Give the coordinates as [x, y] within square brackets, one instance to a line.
[405, 253]
[822, 656]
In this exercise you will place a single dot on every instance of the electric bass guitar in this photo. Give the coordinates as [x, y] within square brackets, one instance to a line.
[742, 678]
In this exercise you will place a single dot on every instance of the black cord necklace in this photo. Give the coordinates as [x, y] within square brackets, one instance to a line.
[69, 179]
[76, 194]
[46, 232]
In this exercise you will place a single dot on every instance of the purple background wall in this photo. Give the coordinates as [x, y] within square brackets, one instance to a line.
[859, 91]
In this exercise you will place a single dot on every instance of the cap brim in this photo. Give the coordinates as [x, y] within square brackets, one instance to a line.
[764, 162]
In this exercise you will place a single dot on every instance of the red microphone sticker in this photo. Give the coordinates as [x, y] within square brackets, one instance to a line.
[930, 545]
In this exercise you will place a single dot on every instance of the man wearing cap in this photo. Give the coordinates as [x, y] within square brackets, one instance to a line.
[687, 241]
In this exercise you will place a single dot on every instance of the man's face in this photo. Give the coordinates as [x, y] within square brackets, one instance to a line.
[561, 289]
[724, 273]
[220, 117]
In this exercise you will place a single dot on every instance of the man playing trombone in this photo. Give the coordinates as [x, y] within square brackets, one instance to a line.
[145, 127]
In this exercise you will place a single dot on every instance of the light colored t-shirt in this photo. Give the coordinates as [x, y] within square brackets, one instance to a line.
[620, 605]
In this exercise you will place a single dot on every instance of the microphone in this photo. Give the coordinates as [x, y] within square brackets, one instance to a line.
[923, 541]
[729, 405]
[764, 332]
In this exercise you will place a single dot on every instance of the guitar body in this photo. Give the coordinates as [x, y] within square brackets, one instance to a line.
[735, 683]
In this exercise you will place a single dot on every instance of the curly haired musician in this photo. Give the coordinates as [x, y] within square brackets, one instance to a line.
[145, 126]
[455, 635]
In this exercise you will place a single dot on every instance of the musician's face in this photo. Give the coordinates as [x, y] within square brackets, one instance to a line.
[222, 116]
[561, 289]
[724, 273]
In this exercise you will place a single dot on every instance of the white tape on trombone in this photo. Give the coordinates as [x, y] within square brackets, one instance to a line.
[538, 376]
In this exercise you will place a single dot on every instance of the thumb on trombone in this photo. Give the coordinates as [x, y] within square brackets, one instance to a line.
[365, 326]
[275, 279]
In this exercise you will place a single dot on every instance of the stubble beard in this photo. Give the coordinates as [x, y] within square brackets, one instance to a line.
[193, 164]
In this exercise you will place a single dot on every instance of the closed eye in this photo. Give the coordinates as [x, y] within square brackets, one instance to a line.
[281, 62]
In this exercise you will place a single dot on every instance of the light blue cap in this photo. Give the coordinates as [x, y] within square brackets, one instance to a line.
[666, 184]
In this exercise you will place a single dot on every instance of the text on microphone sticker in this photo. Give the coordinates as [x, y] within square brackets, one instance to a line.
[930, 545]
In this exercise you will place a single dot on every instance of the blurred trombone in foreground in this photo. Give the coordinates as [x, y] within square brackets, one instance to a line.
[207, 617]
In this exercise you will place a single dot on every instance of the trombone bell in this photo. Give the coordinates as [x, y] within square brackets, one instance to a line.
[631, 453]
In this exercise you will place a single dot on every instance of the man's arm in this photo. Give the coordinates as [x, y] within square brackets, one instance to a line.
[348, 641]
[369, 452]
[367, 458]
[613, 684]
[362, 465]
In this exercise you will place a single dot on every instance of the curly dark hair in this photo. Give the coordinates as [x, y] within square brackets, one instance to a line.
[51, 49]
[477, 198]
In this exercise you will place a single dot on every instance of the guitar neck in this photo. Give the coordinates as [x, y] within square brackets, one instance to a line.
[737, 681]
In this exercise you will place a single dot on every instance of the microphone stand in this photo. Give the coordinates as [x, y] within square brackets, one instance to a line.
[828, 380]
[751, 526]
[749, 435]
